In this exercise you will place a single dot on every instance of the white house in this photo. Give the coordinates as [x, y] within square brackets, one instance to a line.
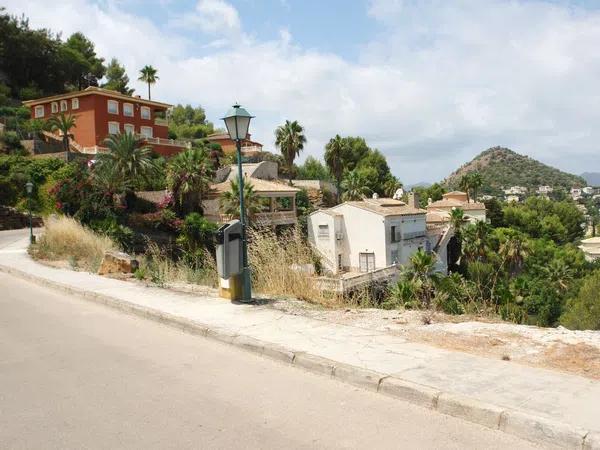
[591, 248]
[545, 190]
[576, 193]
[370, 234]
[516, 190]
[588, 190]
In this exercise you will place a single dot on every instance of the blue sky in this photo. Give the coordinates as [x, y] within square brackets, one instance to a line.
[431, 83]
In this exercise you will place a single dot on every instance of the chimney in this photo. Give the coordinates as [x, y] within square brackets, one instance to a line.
[413, 200]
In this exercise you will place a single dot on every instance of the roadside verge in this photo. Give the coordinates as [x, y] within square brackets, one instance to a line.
[519, 423]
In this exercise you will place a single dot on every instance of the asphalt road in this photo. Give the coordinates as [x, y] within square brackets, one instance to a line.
[74, 374]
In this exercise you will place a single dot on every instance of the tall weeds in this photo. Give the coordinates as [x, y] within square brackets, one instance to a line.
[279, 264]
[162, 270]
[65, 238]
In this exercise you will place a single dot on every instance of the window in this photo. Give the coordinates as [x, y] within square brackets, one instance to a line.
[128, 109]
[75, 103]
[54, 107]
[394, 233]
[395, 256]
[113, 107]
[145, 112]
[146, 131]
[129, 128]
[64, 105]
[39, 111]
[366, 262]
[113, 127]
[323, 232]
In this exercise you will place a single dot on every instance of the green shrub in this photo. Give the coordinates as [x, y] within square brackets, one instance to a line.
[122, 235]
[583, 311]
[10, 141]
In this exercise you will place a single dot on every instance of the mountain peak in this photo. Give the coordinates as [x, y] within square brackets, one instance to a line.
[502, 167]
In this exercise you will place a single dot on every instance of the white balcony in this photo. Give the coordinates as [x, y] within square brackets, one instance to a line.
[171, 142]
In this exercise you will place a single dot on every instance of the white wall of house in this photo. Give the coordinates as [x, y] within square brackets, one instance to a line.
[412, 237]
[355, 231]
[326, 245]
[363, 231]
[476, 215]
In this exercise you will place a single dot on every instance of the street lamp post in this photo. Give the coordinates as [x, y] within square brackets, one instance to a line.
[237, 121]
[29, 189]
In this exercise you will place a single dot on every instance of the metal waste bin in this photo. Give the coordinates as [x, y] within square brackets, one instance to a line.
[229, 259]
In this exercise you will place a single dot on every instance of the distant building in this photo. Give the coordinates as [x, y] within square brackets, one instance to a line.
[545, 190]
[249, 147]
[513, 198]
[276, 197]
[576, 193]
[588, 190]
[515, 190]
[591, 248]
[439, 211]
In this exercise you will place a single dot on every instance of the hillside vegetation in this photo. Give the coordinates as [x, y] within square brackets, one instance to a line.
[501, 167]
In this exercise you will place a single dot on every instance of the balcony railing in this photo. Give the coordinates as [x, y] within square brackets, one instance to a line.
[267, 218]
[251, 149]
[161, 122]
[162, 141]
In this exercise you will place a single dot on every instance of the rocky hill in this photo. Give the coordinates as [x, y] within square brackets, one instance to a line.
[501, 167]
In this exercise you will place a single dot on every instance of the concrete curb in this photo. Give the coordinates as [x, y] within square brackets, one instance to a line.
[524, 425]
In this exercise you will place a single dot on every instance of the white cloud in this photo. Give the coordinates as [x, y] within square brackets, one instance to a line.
[443, 80]
[212, 16]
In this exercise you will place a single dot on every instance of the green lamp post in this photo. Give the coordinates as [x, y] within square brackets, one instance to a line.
[237, 121]
[29, 189]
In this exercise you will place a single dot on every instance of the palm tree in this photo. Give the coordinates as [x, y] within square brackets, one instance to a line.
[391, 186]
[475, 241]
[230, 200]
[558, 273]
[290, 140]
[130, 160]
[514, 249]
[465, 184]
[457, 219]
[63, 124]
[188, 177]
[476, 183]
[148, 75]
[334, 154]
[354, 186]
[422, 264]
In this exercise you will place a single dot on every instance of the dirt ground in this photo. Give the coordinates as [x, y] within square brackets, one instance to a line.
[561, 349]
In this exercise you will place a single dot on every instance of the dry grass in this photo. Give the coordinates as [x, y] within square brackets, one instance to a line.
[278, 266]
[162, 270]
[66, 239]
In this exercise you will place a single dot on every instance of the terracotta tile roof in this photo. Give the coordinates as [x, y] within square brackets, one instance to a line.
[451, 203]
[260, 187]
[386, 207]
[96, 90]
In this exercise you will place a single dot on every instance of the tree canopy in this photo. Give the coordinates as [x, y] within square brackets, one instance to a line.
[116, 78]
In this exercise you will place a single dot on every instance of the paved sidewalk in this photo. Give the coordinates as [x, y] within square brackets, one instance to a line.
[564, 398]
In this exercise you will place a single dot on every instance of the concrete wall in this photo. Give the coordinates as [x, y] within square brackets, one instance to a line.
[406, 247]
[327, 247]
[363, 232]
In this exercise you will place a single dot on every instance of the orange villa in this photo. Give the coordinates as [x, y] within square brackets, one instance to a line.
[249, 147]
[100, 112]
